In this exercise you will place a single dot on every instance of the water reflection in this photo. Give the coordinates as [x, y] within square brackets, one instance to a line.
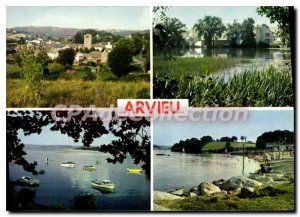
[59, 185]
[244, 53]
[188, 170]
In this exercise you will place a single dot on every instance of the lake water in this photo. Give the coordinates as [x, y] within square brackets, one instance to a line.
[255, 59]
[59, 185]
[188, 170]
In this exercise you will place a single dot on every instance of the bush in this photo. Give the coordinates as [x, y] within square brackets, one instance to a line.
[119, 60]
[262, 44]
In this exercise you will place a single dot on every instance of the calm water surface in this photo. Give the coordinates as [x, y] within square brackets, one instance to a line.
[187, 170]
[59, 185]
[254, 59]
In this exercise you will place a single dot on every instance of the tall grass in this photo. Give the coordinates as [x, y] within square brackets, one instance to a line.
[271, 87]
[192, 66]
[83, 93]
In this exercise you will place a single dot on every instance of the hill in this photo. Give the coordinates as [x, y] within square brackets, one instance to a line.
[161, 147]
[49, 31]
[220, 145]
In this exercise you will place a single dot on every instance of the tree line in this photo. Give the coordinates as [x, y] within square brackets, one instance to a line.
[170, 33]
[195, 145]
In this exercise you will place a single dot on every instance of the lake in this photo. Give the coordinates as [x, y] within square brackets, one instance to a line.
[59, 185]
[253, 59]
[181, 170]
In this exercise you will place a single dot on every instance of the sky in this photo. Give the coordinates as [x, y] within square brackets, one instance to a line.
[258, 122]
[48, 137]
[190, 15]
[131, 18]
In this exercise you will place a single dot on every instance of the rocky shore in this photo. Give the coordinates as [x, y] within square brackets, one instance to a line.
[240, 186]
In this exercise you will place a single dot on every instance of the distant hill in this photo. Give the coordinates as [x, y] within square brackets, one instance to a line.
[214, 145]
[45, 31]
[160, 147]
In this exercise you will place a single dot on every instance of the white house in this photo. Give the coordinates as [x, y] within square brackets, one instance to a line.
[79, 57]
[279, 146]
[108, 45]
[264, 34]
[52, 54]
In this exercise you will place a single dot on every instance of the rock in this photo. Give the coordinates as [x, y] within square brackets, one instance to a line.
[246, 192]
[192, 194]
[278, 176]
[223, 192]
[193, 189]
[238, 182]
[207, 188]
[181, 192]
[219, 182]
[159, 195]
[263, 178]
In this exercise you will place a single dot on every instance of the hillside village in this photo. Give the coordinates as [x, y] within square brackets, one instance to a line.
[86, 52]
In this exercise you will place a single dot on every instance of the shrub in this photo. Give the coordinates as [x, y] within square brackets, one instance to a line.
[119, 60]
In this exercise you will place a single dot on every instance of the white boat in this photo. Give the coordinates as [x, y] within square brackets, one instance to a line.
[105, 185]
[68, 164]
[29, 181]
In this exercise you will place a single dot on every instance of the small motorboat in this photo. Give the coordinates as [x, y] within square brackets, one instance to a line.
[89, 168]
[26, 180]
[104, 185]
[68, 164]
[134, 170]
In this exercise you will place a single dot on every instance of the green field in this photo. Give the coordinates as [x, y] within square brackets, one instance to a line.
[78, 92]
[191, 66]
[220, 145]
[87, 86]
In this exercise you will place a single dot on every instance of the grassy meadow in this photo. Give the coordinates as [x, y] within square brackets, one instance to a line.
[192, 66]
[220, 145]
[84, 87]
[270, 87]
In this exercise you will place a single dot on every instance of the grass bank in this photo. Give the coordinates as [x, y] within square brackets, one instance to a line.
[220, 145]
[271, 87]
[283, 201]
[78, 92]
[191, 66]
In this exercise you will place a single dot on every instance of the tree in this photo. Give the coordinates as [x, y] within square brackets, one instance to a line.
[234, 139]
[277, 136]
[130, 136]
[210, 28]
[167, 33]
[137, 44]
[43, 58]
[228, 146]
[281, 16]
[119, 60]
[234, 33]
[66, 56]
[31, 72]
[247, 33]
[175, 29]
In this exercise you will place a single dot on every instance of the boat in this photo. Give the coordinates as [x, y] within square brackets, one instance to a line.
[29, 181]
[134, 170]
[104, 185]
[89, 168]
[68, 164]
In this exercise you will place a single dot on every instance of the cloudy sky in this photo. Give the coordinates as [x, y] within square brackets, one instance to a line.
[131, 18]
[258, 122]
[190, 15]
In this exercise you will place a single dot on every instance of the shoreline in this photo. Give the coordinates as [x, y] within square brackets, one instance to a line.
[246, 186]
